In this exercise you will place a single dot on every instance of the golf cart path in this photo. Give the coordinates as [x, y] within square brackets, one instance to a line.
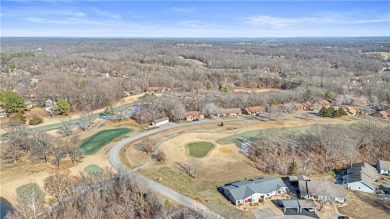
[115, 161]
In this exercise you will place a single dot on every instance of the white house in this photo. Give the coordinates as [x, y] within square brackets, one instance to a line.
[383, 166]
[361, 177]
[254, 190]
[160, 122]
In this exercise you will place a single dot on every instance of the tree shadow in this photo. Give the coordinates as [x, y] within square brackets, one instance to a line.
[375, 200]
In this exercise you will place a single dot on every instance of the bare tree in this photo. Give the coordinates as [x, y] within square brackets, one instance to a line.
[84, 121]
[323, 193]
[146, 145]
[210, 109]
[73, 150]
[58, 183]
[160, 156]
[59, 150]
[17, 144]
[41, 146]
[273, 112]
[192, 167]
[30, 198]
[66, 127]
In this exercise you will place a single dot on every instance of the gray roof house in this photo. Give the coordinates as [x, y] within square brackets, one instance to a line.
[253, 190]
[321, 189]
[361, 177]
[383, 166]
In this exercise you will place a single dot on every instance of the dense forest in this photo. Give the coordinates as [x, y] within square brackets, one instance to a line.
[93, 73]
[175, 76]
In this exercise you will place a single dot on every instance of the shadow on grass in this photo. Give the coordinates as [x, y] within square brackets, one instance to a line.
[373, 200]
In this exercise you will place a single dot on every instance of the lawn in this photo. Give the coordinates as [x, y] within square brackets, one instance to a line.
[204, 191]
[363, 205]
[21, 190]
[247, 136]
[93, 169]
[199, 149]
[94, 143]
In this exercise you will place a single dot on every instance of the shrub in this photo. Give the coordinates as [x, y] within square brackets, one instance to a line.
[161, 156]
[17, 119]
[35, 120]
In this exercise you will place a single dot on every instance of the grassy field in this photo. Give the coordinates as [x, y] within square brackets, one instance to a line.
[200, 149]
[20, 190]
[93, 169]
[247, 136]
[204, 191]
[100, 139]
[363, 205]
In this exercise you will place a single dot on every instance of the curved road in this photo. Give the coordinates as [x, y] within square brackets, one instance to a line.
[157, 187]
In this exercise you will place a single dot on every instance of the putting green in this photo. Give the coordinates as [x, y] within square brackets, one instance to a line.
[200, 149]
[97, 141]
[93, 169]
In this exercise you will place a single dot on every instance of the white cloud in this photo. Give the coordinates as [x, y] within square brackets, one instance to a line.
[330, 18]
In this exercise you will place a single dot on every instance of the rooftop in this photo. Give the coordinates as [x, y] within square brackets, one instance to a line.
[243, 189]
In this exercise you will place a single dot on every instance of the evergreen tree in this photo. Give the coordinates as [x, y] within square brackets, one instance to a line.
[330, 95]
[62, 108]
[209, 85]
[12, 102]
[341, 112]
[293, 169]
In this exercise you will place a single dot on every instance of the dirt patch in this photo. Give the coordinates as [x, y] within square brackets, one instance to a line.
[225, 150]
[197, 199]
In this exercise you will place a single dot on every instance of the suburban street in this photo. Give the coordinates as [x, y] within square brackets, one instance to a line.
[157, 187]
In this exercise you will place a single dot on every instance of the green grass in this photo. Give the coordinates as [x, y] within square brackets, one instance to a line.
[94, 143]
[93, 169]
[199, 149]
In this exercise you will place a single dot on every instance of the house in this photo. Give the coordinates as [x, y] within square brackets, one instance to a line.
[324, 103]
[49, 103]
[229, 112]
[308, 106]
[157, 89]
[361, 177]
[104, 75]
[351, 111]
[194, 116]
[205, 92]
[29, 104]
[2, 112]
[253, 110]
[300, 106]
[383, 166]
[188, 95]
[161, 121]
[381, 114]
[321, 189]
[254, 190]
[295, 179]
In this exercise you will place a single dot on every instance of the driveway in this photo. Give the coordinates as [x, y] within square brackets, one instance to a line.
[264, 213]
[157, 187]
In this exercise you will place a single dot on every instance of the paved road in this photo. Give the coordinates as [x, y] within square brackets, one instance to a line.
[163, 190]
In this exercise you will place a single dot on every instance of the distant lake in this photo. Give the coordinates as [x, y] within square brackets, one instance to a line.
[4, 207]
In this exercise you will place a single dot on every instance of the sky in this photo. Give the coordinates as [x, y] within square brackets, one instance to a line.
[192, 19]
